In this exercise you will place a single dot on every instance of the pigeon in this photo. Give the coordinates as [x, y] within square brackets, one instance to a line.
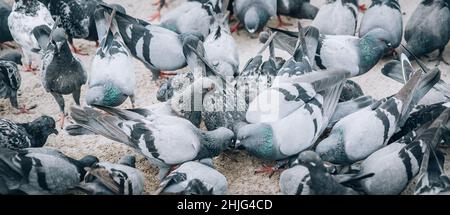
[146, 43]
[221, 49]
[192, 16]
[295, 181]
[104, 178]
[385, 15]
[351, 90]
[73, 18]
[342, 52]
[320, 181]
[305, 100]
[194, 178]
[344, 19]
[5, 34]
[397, 164]
[254, 14]
[300, 9]
[25, 135]
[40, 171]
[428, 28]
[165, 141]
[377, 123]
[112, 79]
[25, 16]
[308, 103]
[10, 78]
[62, 72]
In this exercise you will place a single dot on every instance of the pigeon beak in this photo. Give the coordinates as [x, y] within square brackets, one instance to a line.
[237, 144]
[55, 131]
[295, 163]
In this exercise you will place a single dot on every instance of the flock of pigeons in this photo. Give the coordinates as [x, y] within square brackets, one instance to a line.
[302, 112]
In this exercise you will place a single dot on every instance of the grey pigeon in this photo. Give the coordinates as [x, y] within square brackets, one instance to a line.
[192, 16]
[25, 135]
[254, 14]
[342, 52]
[73, 18]
[321, 182]
[297, 179]
[428, 28]
[25, 16]
[307, 101]
[375, 124]
[397, 164]
[337, 17]
[194, 176]
[5, 34]
[165, 140]
[40, 171]
[104, 178]
[385, 15]
[10, 78]
[300, 9]
[62, 72]
[221, 49]
[112, 79]
[146, 42]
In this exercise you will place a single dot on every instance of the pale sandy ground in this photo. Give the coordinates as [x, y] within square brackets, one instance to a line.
[240, 175]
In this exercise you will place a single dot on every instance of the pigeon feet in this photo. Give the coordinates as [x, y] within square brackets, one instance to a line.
[166, 74]
[7, 45]
[31, 69]
[25, 110]
[362, 8]
[77, 50]
[268, 169]
[97, 44]
[235, 27]
[155, 16]
[62, 118]
[282, 24]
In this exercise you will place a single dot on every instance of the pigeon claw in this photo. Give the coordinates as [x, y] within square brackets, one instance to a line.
[61, 119]
[78, 51]
[24, 110]
[155, 16]
[166, 74]
[235, 27]
[268, 170]
[31, 69]
[362, 8]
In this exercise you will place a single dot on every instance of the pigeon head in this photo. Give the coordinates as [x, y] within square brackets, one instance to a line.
[332, 149]
[257, 139]
[105, 95]
[128, 160]
[382, 36]
[59, 38]
[40, 129]
[311, 159]
[88, 161]
[218, 140]
[255, 19]
[13, 56]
